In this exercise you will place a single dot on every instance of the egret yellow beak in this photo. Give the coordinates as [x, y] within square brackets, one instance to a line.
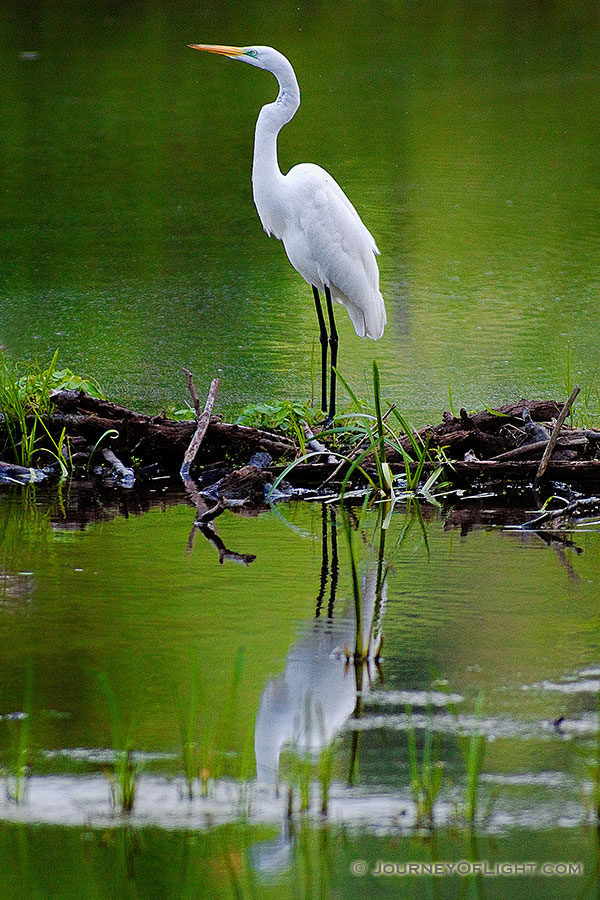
[220, 49]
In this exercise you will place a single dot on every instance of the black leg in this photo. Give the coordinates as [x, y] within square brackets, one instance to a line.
[333, 344]
[323, 340]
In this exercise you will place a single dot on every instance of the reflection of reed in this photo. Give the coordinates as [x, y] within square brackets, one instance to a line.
[324, 676]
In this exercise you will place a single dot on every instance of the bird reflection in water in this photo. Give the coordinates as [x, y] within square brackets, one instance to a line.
[327, 670]
[327, 673]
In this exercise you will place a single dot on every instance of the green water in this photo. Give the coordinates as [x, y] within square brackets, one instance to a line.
[140, 597]
[466, 135]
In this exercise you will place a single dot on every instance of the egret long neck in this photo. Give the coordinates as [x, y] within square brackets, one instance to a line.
[266, 173]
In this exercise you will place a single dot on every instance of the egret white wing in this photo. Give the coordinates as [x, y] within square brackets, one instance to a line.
[327, 242]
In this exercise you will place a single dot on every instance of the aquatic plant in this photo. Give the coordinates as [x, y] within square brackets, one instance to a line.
[301, 770]
[325, 773]
[203, 748]
[25, 399]
[311, 759]
[426, 773]
[284, 416]
[367, 435]
[472, 747]
[19, 727]
[125, 770]
[589, 757]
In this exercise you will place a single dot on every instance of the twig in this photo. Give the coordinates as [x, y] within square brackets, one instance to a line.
[201, 427]
[192, 389]
[554, 436]
[553, 514]
[530, 449]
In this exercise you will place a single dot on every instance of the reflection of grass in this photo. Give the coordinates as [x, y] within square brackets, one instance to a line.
[19, 726]
[125, 771]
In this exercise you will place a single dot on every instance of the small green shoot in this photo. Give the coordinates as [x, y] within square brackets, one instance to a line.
[125, 771]
[473, 749]
[19, 726]
[109, 433]
[426, 774]
[451, 400]
[203, 749]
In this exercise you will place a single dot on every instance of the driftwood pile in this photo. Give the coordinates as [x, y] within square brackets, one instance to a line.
[519, 443]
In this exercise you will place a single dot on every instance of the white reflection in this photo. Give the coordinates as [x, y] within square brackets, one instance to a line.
[306, 706]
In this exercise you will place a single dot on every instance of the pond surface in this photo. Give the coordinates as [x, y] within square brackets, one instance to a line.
[467, 628]
[466, 134]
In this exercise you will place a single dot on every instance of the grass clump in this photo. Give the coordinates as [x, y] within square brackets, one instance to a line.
[364, 437]
[25, 400]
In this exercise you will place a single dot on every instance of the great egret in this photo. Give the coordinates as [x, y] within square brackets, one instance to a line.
[323, 235]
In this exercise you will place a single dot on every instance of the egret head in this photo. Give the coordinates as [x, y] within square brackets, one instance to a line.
[262, 57]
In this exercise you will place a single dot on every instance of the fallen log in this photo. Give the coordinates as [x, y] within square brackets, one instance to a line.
[489, 446]
[151, 437]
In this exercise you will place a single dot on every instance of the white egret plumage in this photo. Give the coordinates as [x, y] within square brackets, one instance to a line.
[323, 235]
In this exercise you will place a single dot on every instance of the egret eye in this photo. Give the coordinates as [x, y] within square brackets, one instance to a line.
[253, 53]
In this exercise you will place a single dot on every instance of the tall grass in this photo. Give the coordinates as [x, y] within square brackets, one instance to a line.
[369, 437]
